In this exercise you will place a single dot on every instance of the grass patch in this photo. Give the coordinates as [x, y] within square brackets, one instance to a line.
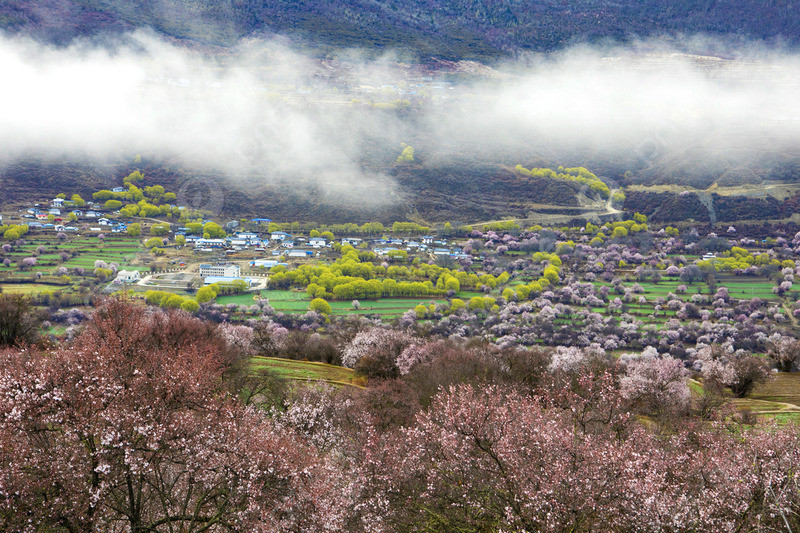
[240, 299]
[297, 302]
[28, 288]
[309, 371]
[57, 331]
[785, 418]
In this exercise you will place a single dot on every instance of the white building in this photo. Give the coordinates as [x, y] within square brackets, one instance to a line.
[266, 263]
[301, 253]
[209, 243]
[127, 276]
[279, 236]
[225, 271]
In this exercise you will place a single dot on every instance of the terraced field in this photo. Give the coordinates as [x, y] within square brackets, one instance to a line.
[779, 398]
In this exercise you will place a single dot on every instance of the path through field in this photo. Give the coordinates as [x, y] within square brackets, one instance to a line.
[778, 398]
[609, 207]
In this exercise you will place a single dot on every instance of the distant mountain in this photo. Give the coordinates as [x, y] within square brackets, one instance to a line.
[453, 29]
[480, 175]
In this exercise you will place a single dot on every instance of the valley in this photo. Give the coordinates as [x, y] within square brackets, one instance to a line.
[396, 266]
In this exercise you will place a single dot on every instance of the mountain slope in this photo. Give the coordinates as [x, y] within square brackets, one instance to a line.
[451, 29]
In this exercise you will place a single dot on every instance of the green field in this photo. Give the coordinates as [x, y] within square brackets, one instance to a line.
[308, 371]
[749, 289]
[87, 258]
[739, 288]
[27, 288]
[239, 299]
[288, 301]
[389, 307]
[87, 250]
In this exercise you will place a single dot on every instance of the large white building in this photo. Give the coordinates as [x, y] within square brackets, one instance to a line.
[209, 243]
[301, 253]
[127, 276]
[266, 263]
[226, 271]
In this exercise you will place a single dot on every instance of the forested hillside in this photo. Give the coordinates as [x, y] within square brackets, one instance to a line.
[452, 29]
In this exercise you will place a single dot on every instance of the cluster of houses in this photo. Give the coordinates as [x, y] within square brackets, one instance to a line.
[437, 247]
[381, 247]
[284, 244]
[281, 241]
[299, 247]
[405, 88]
[57, 215]
[233, 243]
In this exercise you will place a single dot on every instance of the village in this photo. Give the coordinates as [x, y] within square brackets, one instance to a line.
[136, 239]
[186, 257]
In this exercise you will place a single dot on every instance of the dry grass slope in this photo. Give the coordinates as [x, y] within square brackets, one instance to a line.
[778, 398]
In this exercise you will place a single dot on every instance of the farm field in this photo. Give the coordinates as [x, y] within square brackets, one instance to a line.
[738, 287]
[31, 288]
[778, 398]
[297, 302]
[388, 308]
[86, 252]
[73, 253]
[308, 371]
[238, 299]
[110, 254]
[784, 388]
[749, 289]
